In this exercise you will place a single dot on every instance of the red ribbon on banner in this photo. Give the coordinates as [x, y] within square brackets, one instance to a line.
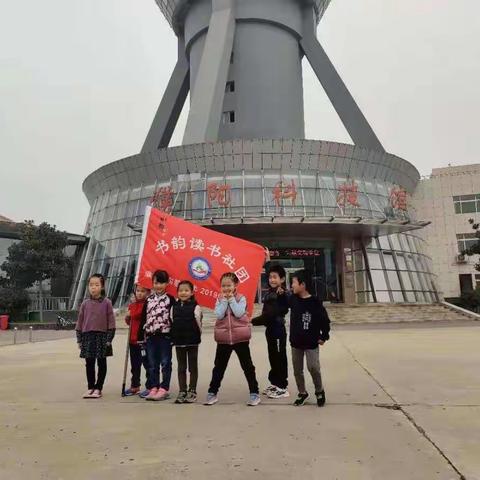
[190, 252]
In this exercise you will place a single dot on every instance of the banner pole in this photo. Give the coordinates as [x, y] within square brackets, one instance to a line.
[125, 365]
[146, 219]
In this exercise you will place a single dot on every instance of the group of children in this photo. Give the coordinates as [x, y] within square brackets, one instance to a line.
[158, 322]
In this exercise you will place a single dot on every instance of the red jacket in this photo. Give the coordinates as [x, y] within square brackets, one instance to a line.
[135, 314]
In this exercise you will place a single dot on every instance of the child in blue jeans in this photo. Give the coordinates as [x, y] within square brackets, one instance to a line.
[155, 329]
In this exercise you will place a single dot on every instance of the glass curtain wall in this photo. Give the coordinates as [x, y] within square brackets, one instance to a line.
[393, 268]
[117, 215]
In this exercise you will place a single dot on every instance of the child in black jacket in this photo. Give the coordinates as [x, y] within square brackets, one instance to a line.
[309, 328]
[275, 307]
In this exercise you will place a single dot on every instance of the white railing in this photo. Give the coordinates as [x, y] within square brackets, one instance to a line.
[48, 304]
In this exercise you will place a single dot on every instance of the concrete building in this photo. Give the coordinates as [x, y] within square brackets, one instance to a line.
[11, 232]
[246, 169]
[449, 198]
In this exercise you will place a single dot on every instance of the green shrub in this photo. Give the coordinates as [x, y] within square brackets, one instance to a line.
[12, 300]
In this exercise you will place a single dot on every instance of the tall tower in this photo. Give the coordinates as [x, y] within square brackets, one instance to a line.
[241, 60]
[246, 169]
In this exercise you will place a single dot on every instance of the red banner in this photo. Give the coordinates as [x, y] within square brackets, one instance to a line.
[190, 252]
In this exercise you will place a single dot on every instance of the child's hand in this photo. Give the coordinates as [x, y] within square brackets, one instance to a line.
[280, 290]
[321, 342]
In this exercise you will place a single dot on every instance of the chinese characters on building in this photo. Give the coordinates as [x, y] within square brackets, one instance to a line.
[218, 195]
[163, 199]
[285, 191]
[398, 198]
[294, 252]
[348, 195]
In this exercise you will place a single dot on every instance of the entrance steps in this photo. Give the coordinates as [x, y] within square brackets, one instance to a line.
[340, 313]
[397, 313]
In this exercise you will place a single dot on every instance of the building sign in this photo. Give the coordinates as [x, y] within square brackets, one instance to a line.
[294, 252]
[163, 199]
[284, 191]
[219, 194]
[398, 198]
[190, 252]
[348, 195]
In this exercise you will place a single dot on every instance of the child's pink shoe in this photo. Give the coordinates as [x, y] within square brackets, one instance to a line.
[96, 394]
[88, 394]
[152, 394]
[162, 394]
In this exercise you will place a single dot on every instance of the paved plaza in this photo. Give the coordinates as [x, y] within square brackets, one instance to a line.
[403, 403]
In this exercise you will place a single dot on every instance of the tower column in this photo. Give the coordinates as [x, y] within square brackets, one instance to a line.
[208, 92]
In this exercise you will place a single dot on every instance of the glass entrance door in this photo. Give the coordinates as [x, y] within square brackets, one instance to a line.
[319, 262]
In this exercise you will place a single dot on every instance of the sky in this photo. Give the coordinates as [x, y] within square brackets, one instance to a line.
[80, 81]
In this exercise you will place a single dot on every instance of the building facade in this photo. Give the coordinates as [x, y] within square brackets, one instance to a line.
[245, 168]
[11, 232]
[449, 198]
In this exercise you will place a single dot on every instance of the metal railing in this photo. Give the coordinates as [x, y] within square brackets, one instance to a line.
[17, 336]
[48, 304]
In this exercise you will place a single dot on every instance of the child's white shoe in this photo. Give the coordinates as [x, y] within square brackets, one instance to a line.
[269, 389]
[279, 393]
[212, 399]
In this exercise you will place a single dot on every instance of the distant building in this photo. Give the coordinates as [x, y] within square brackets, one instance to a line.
[449, 198]
[7, 238]
[10, 234]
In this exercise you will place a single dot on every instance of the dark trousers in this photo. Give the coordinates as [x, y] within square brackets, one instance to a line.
[222, 356]
[159, 352]
[187, 357]
[136, 362]
[277, 355]
[96, 382]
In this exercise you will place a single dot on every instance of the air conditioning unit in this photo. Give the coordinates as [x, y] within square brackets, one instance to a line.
[461, 258]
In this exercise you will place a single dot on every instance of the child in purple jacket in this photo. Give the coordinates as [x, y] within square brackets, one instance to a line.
[95, 331]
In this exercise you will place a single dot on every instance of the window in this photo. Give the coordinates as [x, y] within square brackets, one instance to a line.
[230, 87]
[228, 117]
[466, 284]
[477, 280]
[467, 203]
[466, 241]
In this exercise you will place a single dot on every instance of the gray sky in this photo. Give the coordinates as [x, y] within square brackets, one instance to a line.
[80, 81]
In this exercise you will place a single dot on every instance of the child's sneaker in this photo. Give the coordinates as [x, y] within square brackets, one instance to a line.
[191, 396]
[254, 400]
[269, 389]
[132, 391]
[182, 397]
[301, 399]
[162, 394]
[321, 398]
[88, 394]
[279, 393]
[152, 394]
[212, 399]
[145, 393]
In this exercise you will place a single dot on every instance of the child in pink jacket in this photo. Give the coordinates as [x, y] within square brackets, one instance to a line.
[232, 333]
